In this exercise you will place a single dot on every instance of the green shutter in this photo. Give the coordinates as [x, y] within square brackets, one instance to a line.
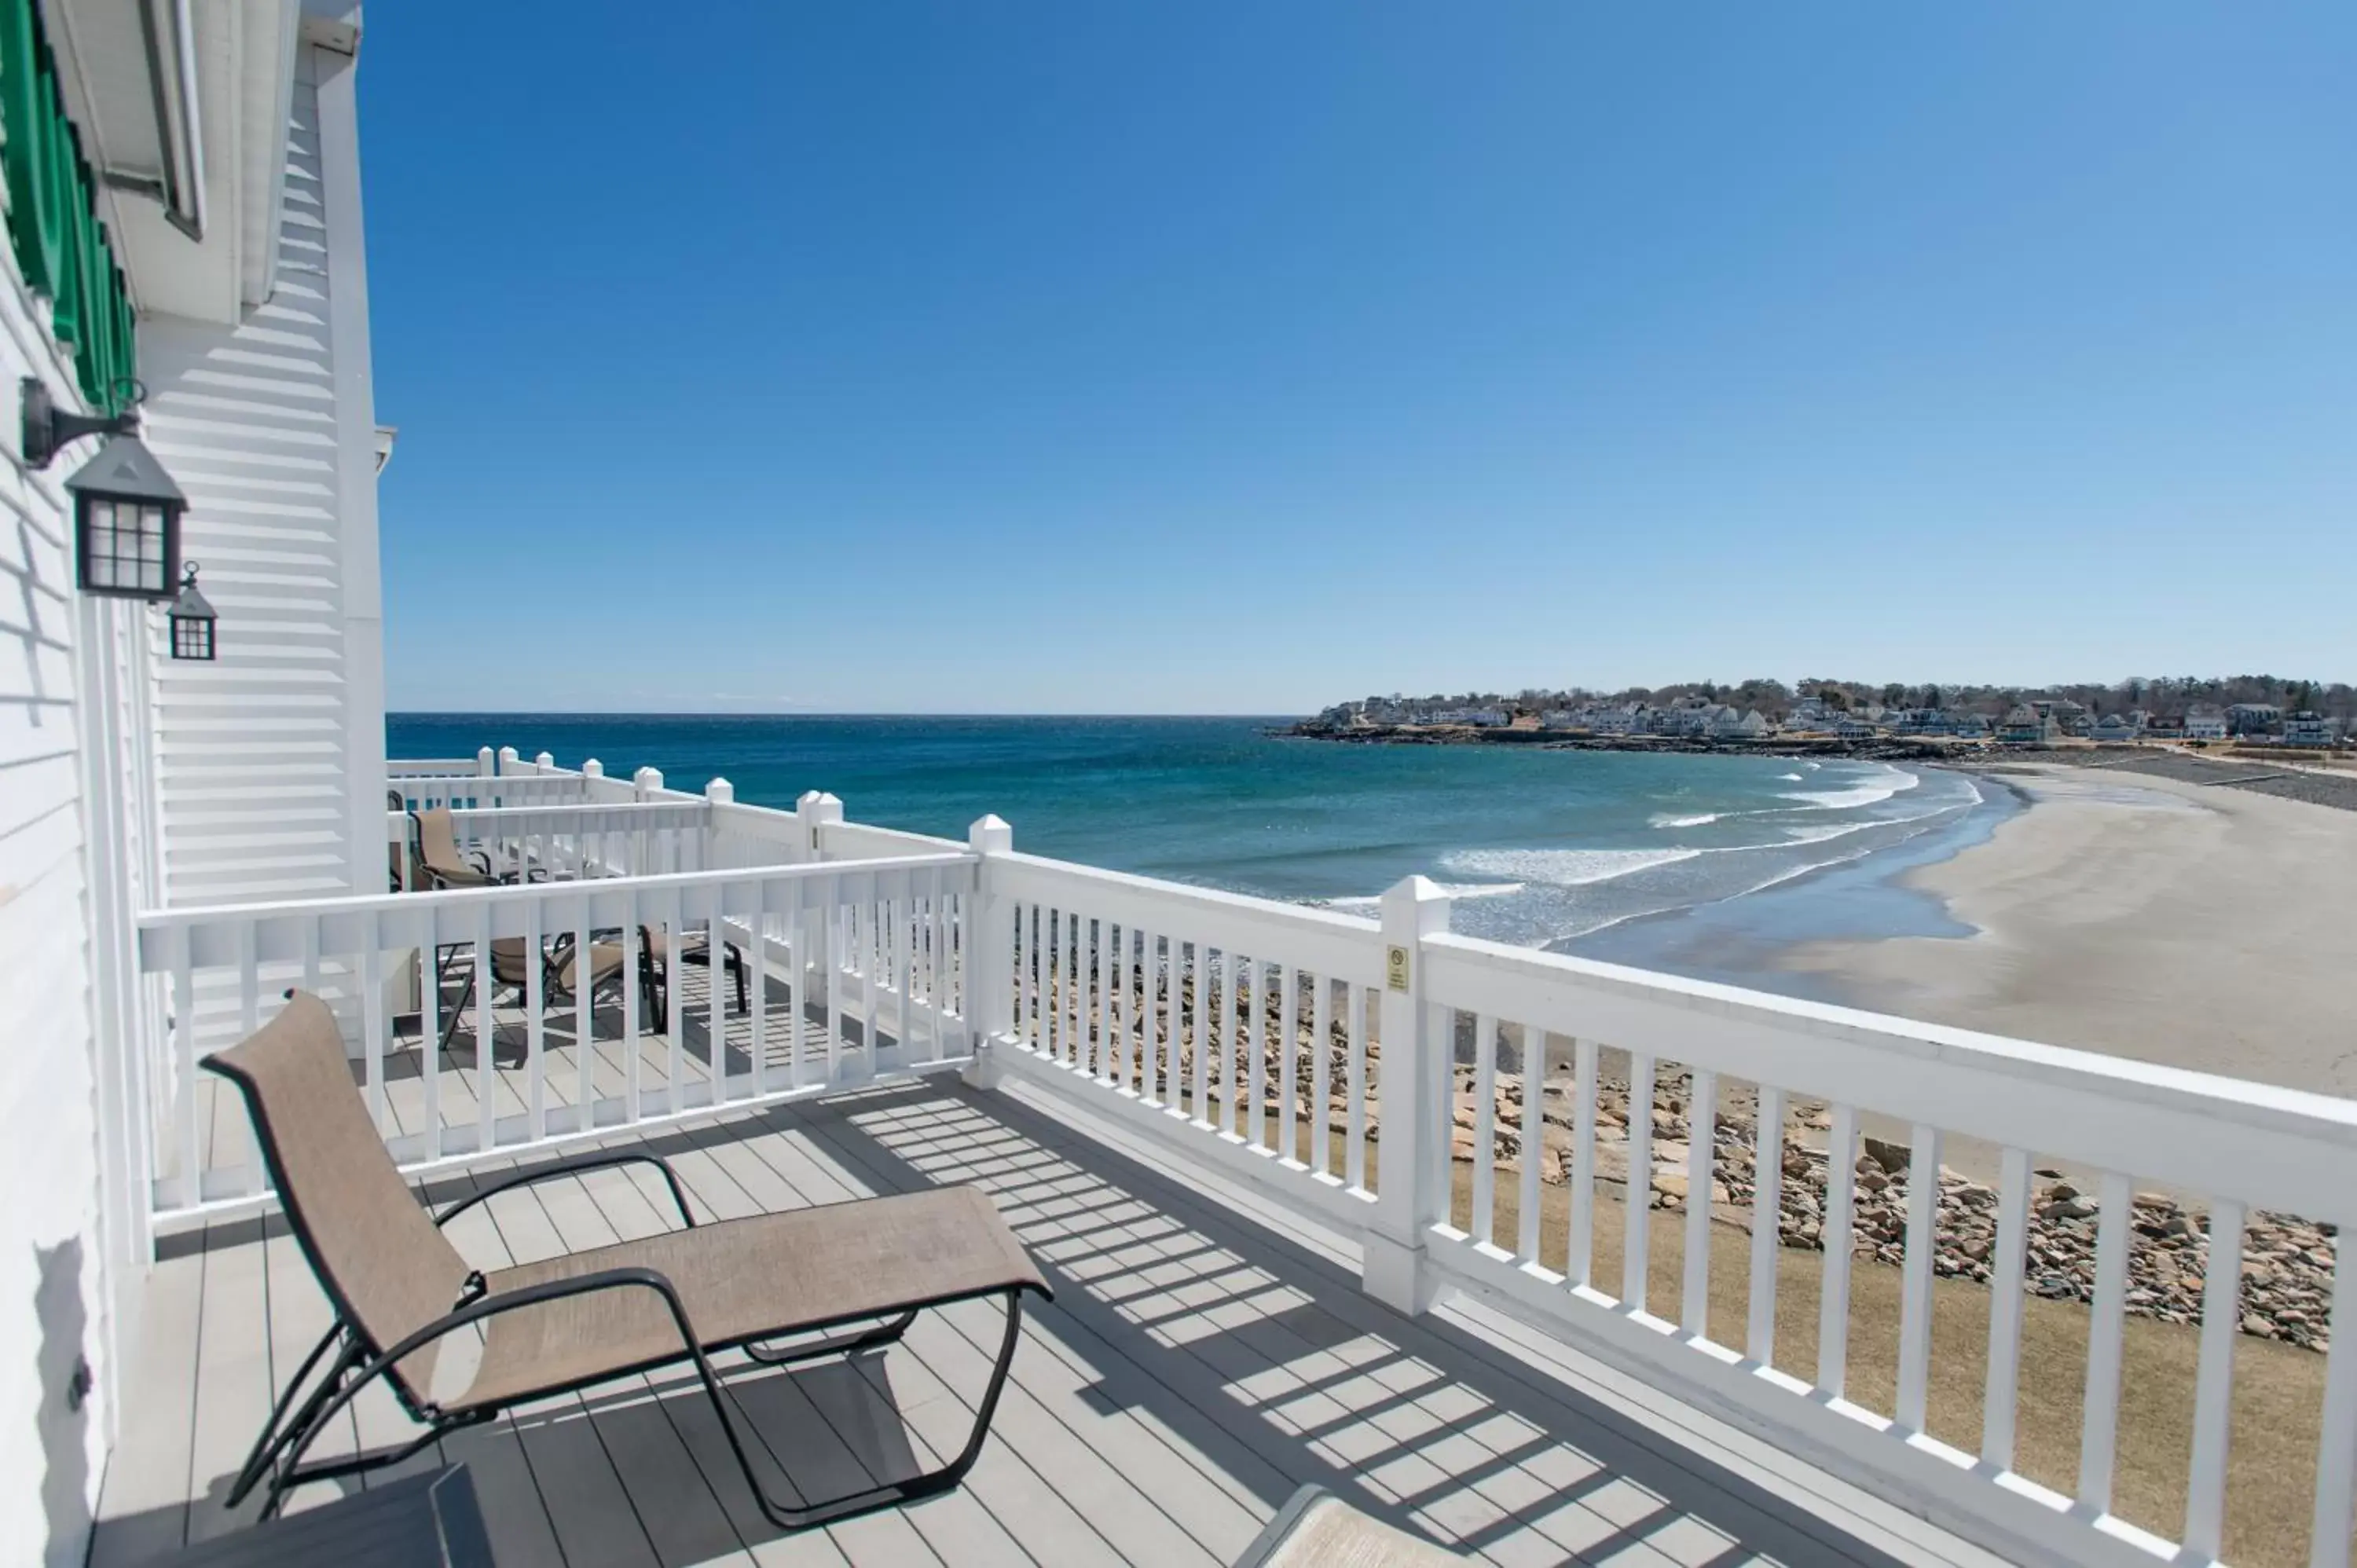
[63, 251]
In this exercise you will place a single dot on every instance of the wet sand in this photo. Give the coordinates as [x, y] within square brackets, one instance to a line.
[2201, 927]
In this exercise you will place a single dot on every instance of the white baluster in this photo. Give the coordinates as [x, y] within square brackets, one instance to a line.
[1202, 1034]
[2213, 1384]
[1354, 1151]
[904, 964]
[2005, 1309]
[1833, 1296]
[535, 1025]
[1534, 1131]
[1702, 1154]
[1288, 1121]
[1485, 1116]
[1118, 1008]
[1767, 1207]
[584, 1025]
[184, 1057]
[1097, 969]
[429, 960]
[1915, 1290]
[1252, 1030]
[1636, 1251]
[632, 956]
[1579, 1261]
[837, 960]
[756, 983]
[1321, 1075]
[486, 1071]
[2099, 1428]
[373, 1030]
[871, 952]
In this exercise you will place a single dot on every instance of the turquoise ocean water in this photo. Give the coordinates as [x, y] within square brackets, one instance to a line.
[1705, 865]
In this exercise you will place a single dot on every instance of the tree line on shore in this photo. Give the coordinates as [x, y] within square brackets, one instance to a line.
[2159, 694]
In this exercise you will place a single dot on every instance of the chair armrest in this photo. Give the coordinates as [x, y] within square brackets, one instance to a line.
[483, 1307]
[594, 1159]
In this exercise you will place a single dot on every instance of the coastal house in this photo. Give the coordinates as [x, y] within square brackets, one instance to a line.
[1729, 724]
[2024, 725]
[2164, 726]
[2310, 728]
[2117, 727]
[1689, 717]
[2252, 718]
[2205, 723]
[1622, 718]
[1225, 1127]
[1477, 717]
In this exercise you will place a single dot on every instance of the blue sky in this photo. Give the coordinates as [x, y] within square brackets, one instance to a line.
[1221, 358]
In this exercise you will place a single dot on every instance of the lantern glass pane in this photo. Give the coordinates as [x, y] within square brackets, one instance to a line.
[122, 546]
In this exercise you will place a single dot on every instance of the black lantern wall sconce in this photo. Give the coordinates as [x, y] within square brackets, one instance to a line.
[126, 508]
[193, 621]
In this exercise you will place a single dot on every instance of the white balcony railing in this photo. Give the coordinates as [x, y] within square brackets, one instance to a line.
[1339, 1065]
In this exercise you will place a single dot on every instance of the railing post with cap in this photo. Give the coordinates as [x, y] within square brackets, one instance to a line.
[818, 812]
[990, 952]
[719, 792]
[1412, 1188]
[486, 762]
[646, 782]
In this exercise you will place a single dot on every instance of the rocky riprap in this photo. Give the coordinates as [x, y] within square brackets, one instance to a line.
[2287, 1262]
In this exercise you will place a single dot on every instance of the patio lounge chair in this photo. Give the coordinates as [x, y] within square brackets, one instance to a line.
[1315, 1529]
[439, 857]
[560, 974]
[399, 1288]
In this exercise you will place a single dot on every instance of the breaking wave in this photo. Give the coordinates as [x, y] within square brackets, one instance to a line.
[1561, 867]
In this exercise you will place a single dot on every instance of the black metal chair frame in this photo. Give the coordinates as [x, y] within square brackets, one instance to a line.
[661, 987]
[277, 1452]
[553, 992]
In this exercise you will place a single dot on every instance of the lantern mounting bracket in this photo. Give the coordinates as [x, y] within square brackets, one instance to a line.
[48, 428]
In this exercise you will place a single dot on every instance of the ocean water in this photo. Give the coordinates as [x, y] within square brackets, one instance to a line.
[1705, 865]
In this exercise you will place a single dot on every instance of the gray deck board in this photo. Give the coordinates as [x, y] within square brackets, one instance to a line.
[1194, 1368]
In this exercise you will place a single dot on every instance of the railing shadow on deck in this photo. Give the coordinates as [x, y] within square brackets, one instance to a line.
[872, 1132]
[1110, 1233]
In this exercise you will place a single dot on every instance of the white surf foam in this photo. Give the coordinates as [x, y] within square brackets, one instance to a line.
[1869, 792]
[1664, 820]
[1560, 867]
[1453, 889]
[1801, 835]
[1788, 777]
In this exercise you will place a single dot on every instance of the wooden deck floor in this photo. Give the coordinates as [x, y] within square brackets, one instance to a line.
[1195, 1368]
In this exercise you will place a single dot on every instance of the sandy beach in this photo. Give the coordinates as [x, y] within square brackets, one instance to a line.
[2204, 927]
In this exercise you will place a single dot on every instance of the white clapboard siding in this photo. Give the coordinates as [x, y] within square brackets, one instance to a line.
[256, 792]
[52, 1297]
